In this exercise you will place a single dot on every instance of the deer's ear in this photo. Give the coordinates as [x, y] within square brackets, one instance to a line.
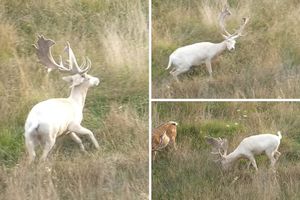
[76, 80]
[68, 79]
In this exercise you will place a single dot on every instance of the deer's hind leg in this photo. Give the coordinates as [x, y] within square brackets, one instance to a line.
[178, 71]
[48, 145]
[271, 156]
[30, 145]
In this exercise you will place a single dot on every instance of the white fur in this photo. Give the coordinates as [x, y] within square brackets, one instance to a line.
[183, 58]
[54, 117]
[254, 145]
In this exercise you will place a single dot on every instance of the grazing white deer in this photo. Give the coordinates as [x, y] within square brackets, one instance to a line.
[248, 148]
[183, 58]
[54, 117]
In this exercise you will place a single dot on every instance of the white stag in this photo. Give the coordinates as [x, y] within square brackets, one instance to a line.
[248, 148]
[54, 117]
[183, 58]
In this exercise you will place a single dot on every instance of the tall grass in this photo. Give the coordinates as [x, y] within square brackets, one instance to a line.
[190, 173]
[113, 34]
[266, 60]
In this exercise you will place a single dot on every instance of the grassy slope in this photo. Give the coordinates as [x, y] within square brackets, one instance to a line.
[113, 35]
[265, 63]
[190, 173]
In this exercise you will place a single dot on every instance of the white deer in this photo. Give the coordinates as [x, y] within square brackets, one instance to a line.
[54, 117]
[183, 58]
[248, 148]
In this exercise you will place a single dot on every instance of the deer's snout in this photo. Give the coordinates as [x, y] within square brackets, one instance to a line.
[95, 81]
[231, 49]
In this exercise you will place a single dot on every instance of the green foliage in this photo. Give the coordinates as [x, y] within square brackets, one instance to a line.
[190, 173]
[214, 128]
[11, 144]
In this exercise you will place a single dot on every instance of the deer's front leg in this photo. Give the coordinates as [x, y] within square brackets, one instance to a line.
[253, 162]
[173, 141]
[208, 66]
[77, 140]
[77, 128]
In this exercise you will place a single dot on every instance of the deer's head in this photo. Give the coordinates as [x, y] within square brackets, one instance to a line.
[219, 148]
[230, 38]
[77, 74]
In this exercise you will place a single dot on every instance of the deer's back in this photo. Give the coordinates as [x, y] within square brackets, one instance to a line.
[52, 114]
[194, 54]
[260, 143]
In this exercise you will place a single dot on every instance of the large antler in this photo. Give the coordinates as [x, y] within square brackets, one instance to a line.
[43, 51]
[72, 63]
[225, 12]
[218, 144]
[238, 33]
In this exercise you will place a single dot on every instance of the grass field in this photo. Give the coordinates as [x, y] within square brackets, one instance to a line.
[190, 173]
[265, 63]
[114, 35]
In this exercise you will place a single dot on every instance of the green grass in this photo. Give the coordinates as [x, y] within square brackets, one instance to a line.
[190, 173]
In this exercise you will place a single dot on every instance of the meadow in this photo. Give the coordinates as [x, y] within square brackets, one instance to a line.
[114, 35]
[190, 171]
[265, 63]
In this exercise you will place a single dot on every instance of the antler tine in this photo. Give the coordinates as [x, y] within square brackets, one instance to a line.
[217, 153]
[86, 62]
[218, 144]
[83, 63]
[43, 51]
[220, 153]
[72, 62]
[238, 33]
[225, 12]
[225, 146]
[61, 66]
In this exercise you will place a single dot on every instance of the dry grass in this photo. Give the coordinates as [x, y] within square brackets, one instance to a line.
[190, 173]
[118, 170]
[113, 35]
[264, 65]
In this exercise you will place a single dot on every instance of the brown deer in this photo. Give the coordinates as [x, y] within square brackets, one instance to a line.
[163, 135]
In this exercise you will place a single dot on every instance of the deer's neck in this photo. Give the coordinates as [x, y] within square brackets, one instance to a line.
[78, 95]
[220, 47]
[233, 156]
